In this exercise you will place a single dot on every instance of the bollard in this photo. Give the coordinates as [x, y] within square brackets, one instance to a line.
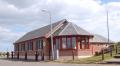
[36, 56]
[102, 54]
[111, 51]
[25, 55]
[12, 54]
[18, 55]
[116, 50]
[7, 55]
[73, 55]
[42, 56]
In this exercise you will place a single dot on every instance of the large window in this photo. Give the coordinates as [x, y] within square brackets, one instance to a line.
[73, 42]
[22, 47]
[64, 43]
[30, 46]
[69, 43]
[39, 44]
[57, 43]
[16, 47]
[87, 43]
[82, 43]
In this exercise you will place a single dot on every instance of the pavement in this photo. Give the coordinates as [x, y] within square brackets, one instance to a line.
[115, 60]
[4, 62]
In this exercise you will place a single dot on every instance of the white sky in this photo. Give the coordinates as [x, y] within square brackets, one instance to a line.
[17, 17]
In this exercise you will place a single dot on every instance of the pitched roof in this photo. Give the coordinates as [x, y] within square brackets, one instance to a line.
[73, 29]
[40, 32]
[62, 27]
[99, 38]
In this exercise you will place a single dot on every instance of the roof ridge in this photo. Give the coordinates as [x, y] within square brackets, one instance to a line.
[48, 25]
[65, 27]
[75, 28]
[56, 27]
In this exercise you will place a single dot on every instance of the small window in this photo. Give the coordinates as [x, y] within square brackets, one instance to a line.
[73, 42]
[87, 44]
[17, 47]
[57, 43]
[39, 44]
[83, 43]
[22, 47]
[64, 43]
[69, 43]
[30, 46]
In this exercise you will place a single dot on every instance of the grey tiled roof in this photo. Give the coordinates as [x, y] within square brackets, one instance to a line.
[99, 38]
[41, 32]
[66, 28]
[73, 29]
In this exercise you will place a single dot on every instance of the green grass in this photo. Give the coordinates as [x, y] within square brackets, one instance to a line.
[90, 60]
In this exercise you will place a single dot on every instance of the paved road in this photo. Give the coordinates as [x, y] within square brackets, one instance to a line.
[22, 63]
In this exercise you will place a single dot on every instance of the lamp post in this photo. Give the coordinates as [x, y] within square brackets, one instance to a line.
[49, 13]
[110, 48]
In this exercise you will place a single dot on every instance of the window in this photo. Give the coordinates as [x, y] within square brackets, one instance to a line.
[17, 47]
[30, 46]
[57, 43]
[39, 44]
[87, 43]
[73, 42]
[64, 43]
[22, 47]
[82, 43]
[69, 43]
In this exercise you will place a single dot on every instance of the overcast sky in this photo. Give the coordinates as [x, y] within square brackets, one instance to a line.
[18, 17]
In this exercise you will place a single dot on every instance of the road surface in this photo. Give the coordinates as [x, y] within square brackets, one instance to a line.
[23, 63]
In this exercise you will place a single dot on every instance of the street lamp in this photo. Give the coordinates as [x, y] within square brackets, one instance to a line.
[49, 13]
[108, 32]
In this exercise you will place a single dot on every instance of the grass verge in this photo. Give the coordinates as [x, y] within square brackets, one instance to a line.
[90, 60]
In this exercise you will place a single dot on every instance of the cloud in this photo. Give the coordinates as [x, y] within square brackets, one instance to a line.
[7, 37]
[20, 17]
[22, 3]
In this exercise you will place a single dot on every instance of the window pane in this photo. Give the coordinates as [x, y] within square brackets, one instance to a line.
[87, 45]
[68, 43]
[30, 46]
[63, 42]
[73, 42]
[36, 45]
[17, 47]
[83, 43]
[39, 44]
[57, 43]
[23, 47]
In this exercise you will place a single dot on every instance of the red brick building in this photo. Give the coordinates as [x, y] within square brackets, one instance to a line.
[67, 37]
[99, 42]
